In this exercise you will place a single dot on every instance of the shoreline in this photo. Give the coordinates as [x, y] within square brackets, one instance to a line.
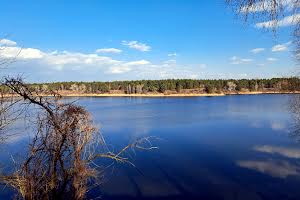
[173, 95]
[158, 94]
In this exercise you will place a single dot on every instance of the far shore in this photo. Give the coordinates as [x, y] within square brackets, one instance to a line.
[63, 94]
[170, 95]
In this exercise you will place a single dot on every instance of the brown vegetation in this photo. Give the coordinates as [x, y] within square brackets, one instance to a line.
[60, 160]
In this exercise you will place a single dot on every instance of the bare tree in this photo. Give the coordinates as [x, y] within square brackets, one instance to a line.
[8, 113]
[267, 9]
[66, 145]
[270, 14]
[7, 102]
[61, 158]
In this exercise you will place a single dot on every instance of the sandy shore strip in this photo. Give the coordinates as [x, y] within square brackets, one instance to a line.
[160, 94]
[171, 95]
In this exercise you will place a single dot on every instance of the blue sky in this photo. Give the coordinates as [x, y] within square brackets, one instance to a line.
[103, 40]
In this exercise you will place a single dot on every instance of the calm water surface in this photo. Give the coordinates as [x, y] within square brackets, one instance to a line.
[233, 147]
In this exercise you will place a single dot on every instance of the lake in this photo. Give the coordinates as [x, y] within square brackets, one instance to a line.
[231, 147]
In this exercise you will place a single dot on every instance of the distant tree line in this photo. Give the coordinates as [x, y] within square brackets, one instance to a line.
[173, 86]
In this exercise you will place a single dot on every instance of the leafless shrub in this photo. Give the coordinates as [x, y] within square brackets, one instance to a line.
[7, 102]
[5, 61]
[8, 114]
[61, 158]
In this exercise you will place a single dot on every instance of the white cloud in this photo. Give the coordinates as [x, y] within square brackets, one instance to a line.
[139, 62]
[168, 69]
[36, 61]
[257, 7]
[62, 60]
[286, 21]
[279, 169]
[119, 70]
[166, 72]
[261, 64]
[284, 151]
[6, 42]
[136, 45]
[171, 62]
[202, 66]
[21, 53]
[272, 59]
[281, 47]
[128, 66]
[234, 60]
[172, 54]
[257, 50]
[109, 50]
[268, 5]
[244, 75]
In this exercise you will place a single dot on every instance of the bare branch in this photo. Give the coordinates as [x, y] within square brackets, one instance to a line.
[61, 159]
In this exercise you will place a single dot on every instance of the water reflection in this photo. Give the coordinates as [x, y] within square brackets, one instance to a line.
[234, 147]
[275, 168]
[295, 110]
[283, 151]
[278, 126]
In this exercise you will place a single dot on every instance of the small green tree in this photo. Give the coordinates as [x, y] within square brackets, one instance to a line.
[178, 87]
[209, 89]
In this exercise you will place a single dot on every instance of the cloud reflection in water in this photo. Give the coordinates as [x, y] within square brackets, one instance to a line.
[278, 169]
[283, 151]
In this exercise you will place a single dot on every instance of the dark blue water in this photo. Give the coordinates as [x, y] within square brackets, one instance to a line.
[233, 147]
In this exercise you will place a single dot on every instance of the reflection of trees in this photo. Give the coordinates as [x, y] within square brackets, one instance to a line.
[295, 111]
[294, 106]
